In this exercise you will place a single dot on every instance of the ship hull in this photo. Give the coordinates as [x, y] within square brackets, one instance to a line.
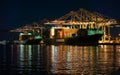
[84, 40]
[33, 41]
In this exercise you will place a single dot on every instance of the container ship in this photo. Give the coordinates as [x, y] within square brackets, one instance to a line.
[85, 37]
[74, 34]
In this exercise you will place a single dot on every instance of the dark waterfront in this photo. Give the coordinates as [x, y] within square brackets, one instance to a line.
[59, 59]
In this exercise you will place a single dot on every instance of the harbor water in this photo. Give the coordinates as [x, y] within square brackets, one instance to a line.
[19, 59]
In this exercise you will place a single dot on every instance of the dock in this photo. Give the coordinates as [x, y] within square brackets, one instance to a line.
[68, 25]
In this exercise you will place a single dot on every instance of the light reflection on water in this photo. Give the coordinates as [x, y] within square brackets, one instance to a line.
[72, 59]
[59, 59]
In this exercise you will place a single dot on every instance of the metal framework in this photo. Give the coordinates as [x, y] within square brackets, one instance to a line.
[27, 27]
[83, 16]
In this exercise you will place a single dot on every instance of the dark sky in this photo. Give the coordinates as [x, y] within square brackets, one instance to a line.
[15, 13]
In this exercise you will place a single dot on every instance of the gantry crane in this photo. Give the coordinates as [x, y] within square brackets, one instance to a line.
[83, 17]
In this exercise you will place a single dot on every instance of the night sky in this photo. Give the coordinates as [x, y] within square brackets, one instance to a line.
[16, 13]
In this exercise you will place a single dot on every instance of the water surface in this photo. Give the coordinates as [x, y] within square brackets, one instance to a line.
[19, 59]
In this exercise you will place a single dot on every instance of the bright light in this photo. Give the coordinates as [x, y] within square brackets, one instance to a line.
[21, 33]
[37, 37]
[29, 33]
